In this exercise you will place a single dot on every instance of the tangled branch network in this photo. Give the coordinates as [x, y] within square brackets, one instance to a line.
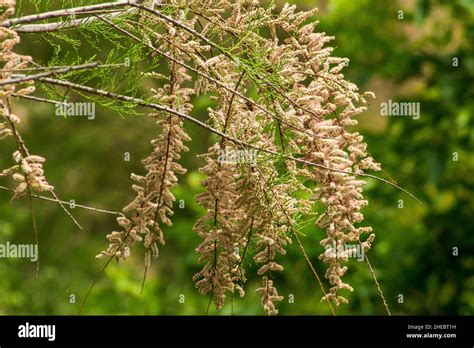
[279, 97]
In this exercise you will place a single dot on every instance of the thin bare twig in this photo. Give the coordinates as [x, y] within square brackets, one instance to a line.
[378, 285]
[64, 70]
[66, 12]
[97, 210]
[62, 25]
[61, 67]
[43, 100]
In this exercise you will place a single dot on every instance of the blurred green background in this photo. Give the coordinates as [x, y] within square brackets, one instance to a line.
[403, 59]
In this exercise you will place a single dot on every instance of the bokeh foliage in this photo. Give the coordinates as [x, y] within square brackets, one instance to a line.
[409, 59]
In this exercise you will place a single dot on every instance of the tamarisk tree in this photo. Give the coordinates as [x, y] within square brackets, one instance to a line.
[281, 115]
